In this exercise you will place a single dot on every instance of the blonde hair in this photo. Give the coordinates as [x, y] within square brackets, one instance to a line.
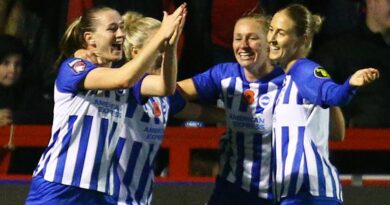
[263, 21]
[137, 30]
[259, 17]
[73, 38]
[306, 23]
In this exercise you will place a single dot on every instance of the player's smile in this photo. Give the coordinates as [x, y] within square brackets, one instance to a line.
[246, 55]
[283, 43]
[247, 43]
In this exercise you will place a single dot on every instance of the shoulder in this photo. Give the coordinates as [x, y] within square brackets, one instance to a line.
[303, 66]
[76, 66]
[71, 72]
[309, 77]
[276, 76]
[227, 68]
[221, 71]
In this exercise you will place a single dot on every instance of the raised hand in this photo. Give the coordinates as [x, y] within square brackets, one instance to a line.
[171, 22]
[364, 77]
[176, 35]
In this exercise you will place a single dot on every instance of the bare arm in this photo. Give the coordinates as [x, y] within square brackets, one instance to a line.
[165, 83]
[131, 72]
[336, 124]
[188, 89]
[197, 112]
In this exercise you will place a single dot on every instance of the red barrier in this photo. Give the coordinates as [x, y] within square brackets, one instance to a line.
[180, 141]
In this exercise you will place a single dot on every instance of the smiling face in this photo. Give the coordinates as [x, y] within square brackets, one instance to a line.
[108, 36]
[249, 43]
[10, 69]
[283, 42]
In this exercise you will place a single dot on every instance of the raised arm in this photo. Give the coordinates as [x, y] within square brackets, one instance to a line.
[131, 72]
[165, 83]
[336, 95]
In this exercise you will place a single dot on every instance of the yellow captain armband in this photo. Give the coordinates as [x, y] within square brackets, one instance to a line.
[320, 72]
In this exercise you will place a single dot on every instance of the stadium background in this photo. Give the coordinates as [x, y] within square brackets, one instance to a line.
[363, 159]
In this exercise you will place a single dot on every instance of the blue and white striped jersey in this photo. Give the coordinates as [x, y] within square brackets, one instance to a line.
[103, 140]
[301, 129]
[246, 148]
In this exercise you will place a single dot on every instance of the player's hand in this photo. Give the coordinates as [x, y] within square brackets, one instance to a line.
[171, 22]
[364, 77]
[173, 41]
[5, 117]
[92, 55]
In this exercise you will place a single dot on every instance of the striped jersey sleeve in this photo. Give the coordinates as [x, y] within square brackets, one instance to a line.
[71, 72]
[316, 85]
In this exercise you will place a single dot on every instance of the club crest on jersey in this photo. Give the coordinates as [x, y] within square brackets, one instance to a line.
[249, 96]
[264, 100]
[156, 109]
[77, 65]
[321, 73]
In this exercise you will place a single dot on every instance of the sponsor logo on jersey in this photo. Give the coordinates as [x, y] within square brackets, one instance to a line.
[247, 122]
[108, 108]
[154, 133]
[249, 96]
[321, 73]
[77, 66]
